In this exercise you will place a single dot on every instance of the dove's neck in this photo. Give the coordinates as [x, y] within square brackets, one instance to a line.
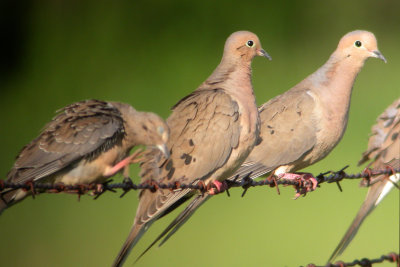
[332, 85]
[334, 81]
[233, 77]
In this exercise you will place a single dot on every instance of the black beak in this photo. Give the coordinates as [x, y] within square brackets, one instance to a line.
[379, 55]
[262, 53]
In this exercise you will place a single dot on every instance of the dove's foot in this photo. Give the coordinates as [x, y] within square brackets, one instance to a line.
[307, 182]
[217, 187]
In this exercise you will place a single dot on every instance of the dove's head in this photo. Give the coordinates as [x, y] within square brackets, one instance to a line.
[144, 128]
[244, 45]
[155, 132]
[359, 45]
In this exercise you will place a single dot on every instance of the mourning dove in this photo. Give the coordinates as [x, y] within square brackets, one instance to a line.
[384, 151]
[301, 126]
[86, 142]
[213, 130]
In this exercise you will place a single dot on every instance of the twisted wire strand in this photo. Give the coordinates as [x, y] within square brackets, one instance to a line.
[245, 183]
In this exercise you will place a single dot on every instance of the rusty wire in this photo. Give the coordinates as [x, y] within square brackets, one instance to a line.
[127, 185]
[365, 262]
[245, 183]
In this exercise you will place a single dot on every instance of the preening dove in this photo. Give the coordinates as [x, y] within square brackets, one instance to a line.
[213, 130]
[384, 152]
[301, 126]
[86, 142]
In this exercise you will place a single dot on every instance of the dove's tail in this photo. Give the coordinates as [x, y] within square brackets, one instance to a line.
[10, 197]
[134, 235]
[375, 194]
[183, 217]
[178, 221]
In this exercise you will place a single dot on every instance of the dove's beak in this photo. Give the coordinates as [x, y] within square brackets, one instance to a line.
[164, 149]
[379, 55]
[262, 53]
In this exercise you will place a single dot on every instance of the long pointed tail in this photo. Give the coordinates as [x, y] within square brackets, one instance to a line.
[11, 197]
[375, 194]
[3, 205]
[183, 217]
[134, 235]
[178, 221]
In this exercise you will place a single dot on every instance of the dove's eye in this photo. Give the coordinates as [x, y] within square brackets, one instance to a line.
[357, 43]
[250, 43]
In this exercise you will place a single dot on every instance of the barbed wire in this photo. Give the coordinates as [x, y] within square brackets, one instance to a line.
[301, 185]
[365, 262]
[245, 183]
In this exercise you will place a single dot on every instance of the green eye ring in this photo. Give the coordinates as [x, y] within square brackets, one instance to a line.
[250, 43]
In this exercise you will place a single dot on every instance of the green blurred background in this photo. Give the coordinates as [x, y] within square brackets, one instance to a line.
[150, 54]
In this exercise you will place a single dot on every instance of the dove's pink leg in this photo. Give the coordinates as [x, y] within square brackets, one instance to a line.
[123, 164]
[119, 166]
[307, 182]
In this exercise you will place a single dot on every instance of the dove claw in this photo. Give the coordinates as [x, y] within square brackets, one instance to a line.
[306, 182]
[217, 187]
